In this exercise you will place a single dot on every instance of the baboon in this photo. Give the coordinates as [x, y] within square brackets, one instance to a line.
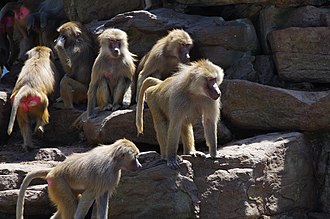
[48, 10]
[75, 183]
[177, 102]
[29, 97]
[112, 72]
[75, 48]
[163, 59]
[45, 21]
[21, 10]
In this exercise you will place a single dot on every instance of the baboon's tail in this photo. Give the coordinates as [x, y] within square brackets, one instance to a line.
[24, 91]
[148, 82]
[16, 100]
[28, 178]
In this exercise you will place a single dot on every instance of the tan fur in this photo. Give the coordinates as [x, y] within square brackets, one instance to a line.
[76, 49]
[35, 79]
[90, 175]
[163, 59]
[112, 72]
[177, 102]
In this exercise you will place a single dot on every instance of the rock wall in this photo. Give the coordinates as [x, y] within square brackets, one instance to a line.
[276, 57]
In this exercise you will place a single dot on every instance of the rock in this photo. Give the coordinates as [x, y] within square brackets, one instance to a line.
[4, 115]
[276, 18]
[264, 175]
[36, 201]
[48, 154]
[302, 54]
[171, 194]
[108, 127]
[59, 130]
[253, 106]
[86, 11]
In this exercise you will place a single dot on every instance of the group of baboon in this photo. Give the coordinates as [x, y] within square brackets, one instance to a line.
[176, 91]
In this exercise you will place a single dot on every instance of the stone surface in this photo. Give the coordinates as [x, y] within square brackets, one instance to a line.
[302, 54]
[265, 175]
[107, 127]
[86, 11]
[4, 115]
[276, 18]
[254, 106]
[60, 129]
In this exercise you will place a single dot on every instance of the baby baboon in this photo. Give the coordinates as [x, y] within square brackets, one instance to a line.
[75, 48]
[29, 98]
[177, 101]
[163, 59]
[112, 72]
[74, 184]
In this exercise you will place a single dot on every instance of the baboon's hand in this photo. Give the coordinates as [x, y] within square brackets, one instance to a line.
[60, 41]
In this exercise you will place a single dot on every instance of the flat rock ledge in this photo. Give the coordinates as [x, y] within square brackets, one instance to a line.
[260, 177]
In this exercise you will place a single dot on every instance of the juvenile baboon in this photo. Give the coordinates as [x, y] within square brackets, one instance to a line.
[112, 72]
[163, 59]
[75, 48]
[177, 102]
[89, 176]
[29, 97]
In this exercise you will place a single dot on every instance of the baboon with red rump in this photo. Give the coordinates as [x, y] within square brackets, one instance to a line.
[30, 95]
[176, 103]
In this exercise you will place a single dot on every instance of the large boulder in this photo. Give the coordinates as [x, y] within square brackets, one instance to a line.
[302, 54]
[250, 105]
[86, 11]
[265, 175]
[276, 18]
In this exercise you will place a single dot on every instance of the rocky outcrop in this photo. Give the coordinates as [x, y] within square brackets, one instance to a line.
[263, 176]
[302, 54]
[253, 106]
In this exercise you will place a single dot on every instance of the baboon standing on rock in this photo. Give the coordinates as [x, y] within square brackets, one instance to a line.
[177, 102]
[29, 98]
[76, 49]
[74, 184]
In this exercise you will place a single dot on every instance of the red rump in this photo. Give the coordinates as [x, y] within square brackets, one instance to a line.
[49, 181]
[25, 102]
[22, 13]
